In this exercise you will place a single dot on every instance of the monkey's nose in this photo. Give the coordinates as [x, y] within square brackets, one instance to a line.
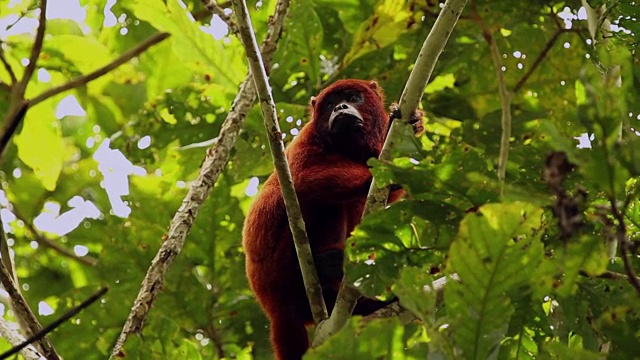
[342, 106]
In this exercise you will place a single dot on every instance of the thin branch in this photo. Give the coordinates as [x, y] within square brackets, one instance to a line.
[505, 103]
[24, 313]
[48, 243]
[15, 338]
[21, 87]
[14, 117]
[425, 63]
[405, 316]
[215, 159]
[538, 60]
[505, 97]
[607, 275]
[624, 243]
[126, 56]
[16, 112]
[66, 316]
[7, 66]
[216, 9]
[294, 214]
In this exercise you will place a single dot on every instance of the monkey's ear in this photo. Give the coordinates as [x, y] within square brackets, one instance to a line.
[313, 101]
[374, 85]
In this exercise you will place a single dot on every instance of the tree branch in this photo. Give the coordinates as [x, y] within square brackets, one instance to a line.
[621, 235]
[537, 61]
[505, 97]
[215, 159]
[24, 313]
[48, 243]
[216, 9]
[294, 214]
[66, 316]
[505, 104]
[21, 87]
[431, 49]
[7, 66]
[18, 109]
[130, 54]
[15, 338]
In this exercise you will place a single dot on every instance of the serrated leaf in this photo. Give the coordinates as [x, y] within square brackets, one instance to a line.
[495, 251]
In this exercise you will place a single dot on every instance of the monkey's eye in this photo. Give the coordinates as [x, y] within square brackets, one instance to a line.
[354, 98]
[328, 105]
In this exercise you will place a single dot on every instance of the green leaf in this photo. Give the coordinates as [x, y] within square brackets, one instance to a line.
[495, 252]
[40, 145]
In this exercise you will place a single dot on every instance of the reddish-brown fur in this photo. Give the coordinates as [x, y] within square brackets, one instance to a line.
[331, 179]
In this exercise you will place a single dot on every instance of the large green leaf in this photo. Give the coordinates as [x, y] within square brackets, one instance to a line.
[495, 252]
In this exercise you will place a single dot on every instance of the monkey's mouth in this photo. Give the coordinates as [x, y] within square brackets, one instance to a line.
[345, 122]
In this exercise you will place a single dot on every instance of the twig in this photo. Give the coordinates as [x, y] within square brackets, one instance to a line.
[66, 316]
[16, 112]
[537, 61]
[216, 9]
[7, 66]
[21, 86]
[405, 316]
[13, 119]
[15, 338]
[48, 243]
[215, 159]
[24, 313]
[621, 234]
[292, 206]
[505, 103]
[608, 275]
[505, 97]
[126, 56]
[431, 49]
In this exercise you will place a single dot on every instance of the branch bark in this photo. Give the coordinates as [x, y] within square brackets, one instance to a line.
[84, 79]
[215, 159]
[505, 104]
[66, 316]
[48, 243]
[24, 313]
[19, 106]
[21, 86]
[294, 215]
[412, 94]
[15, 338]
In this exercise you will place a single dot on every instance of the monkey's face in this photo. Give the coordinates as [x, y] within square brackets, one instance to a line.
[342, 114]
[349, 116]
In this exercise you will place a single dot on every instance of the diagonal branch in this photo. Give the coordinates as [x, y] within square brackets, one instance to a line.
[216, 9]
[292, 206]
[18, 109]
[48, 243]
[66, 316]
[537, 61]
[21, 87]
[24, 313]
[81, 80]
[7, 66]
[215, 159]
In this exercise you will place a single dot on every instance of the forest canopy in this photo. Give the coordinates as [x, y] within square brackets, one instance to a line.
[132, 145]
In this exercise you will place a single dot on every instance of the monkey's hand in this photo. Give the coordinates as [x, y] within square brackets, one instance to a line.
[415, 120]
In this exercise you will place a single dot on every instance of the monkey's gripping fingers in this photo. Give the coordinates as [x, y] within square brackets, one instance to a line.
[415, 120]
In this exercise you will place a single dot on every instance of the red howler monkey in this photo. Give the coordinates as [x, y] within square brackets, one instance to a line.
[328, 162]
